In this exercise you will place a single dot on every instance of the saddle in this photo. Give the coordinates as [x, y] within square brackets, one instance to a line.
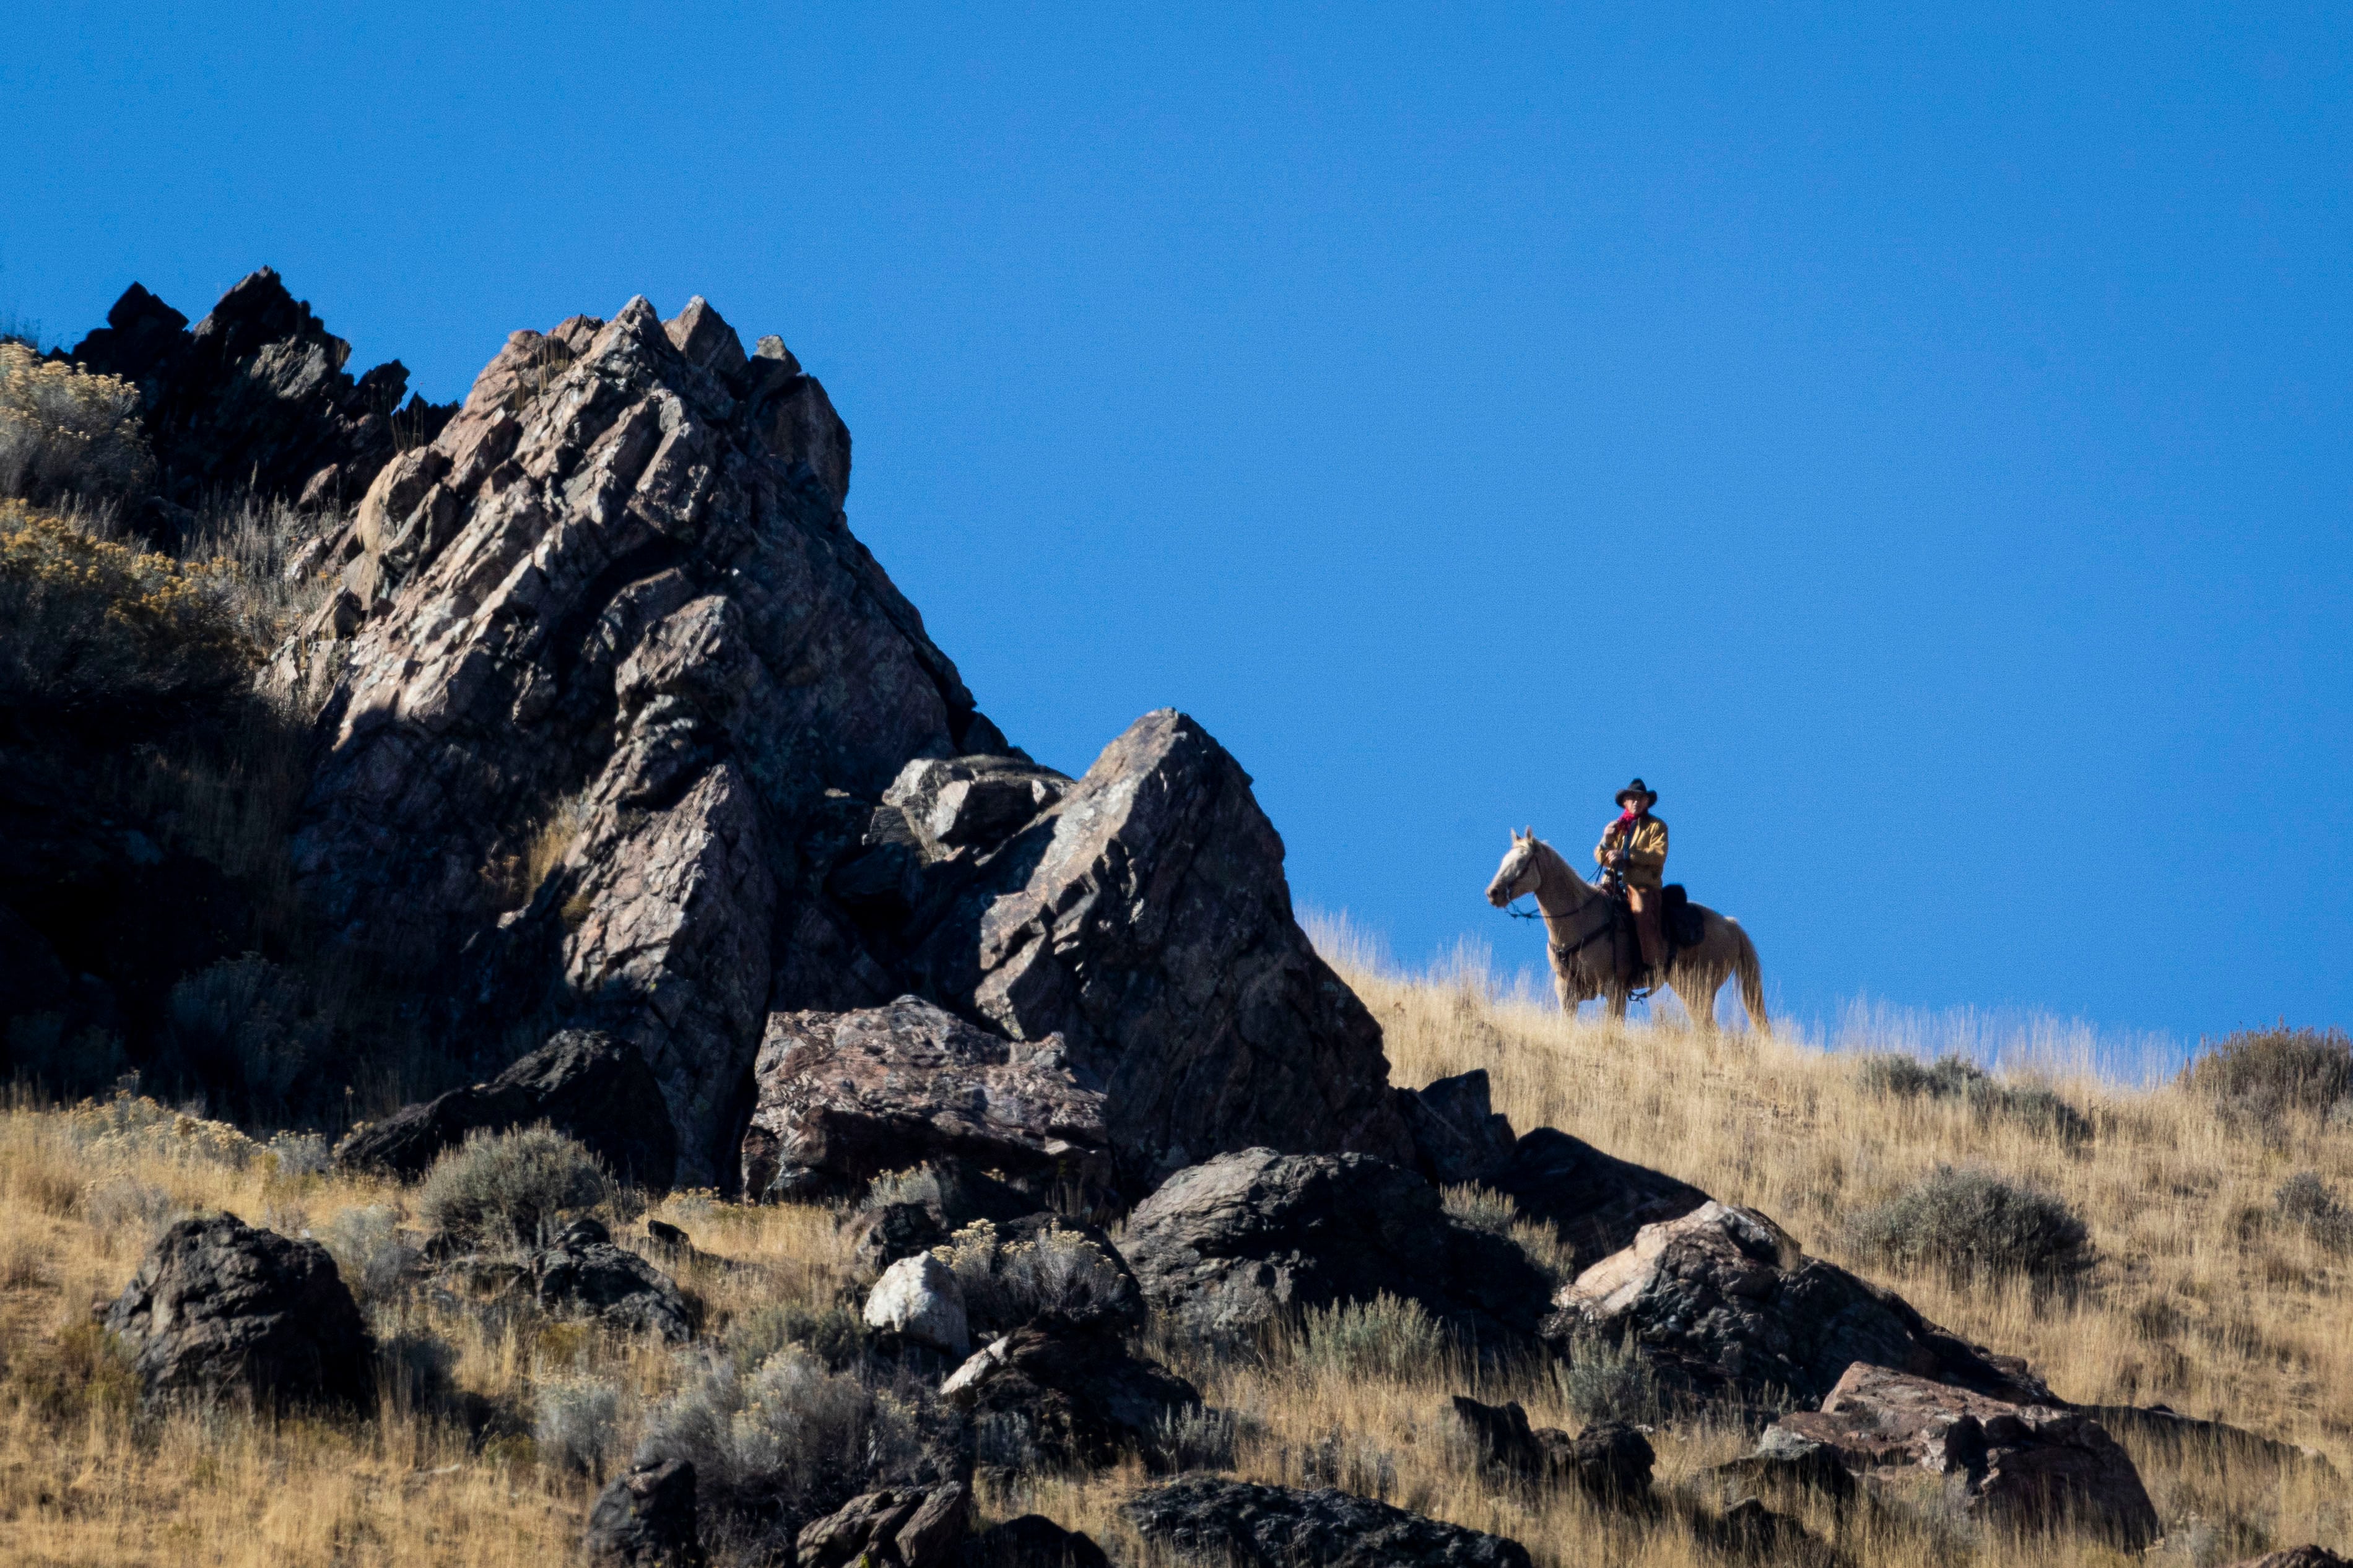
[1680, 926]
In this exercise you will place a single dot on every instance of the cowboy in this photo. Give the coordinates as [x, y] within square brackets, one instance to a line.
[1635, 847]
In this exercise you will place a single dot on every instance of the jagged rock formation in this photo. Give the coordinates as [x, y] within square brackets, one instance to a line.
[915, 1527]
[1725, 1303]
[1234, 1241]
[617, 594]
[582, 1082]
[611, 581]
[1145, 919]
[1033, 1540]
[256, 396]
[1204, 1519]
[220, 1310]
[842, 1098]
[2029, 1466]
[581, 1274]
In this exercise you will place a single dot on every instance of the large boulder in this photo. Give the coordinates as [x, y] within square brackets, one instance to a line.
[910, 1527]
[614, 608]
[1204, 1519]
[1078, 1396]
[584, 1083]
[646, 1518]
[581, 1274]
[1457, 1134]
[222, 1310]
[842, 1098]
[256, 395]
[1236, 1241]
[1144, 917]
[1609, 1461]
[1597, 1202]
[1032, 1540]
[2027, 1467]
[1725, 1303]
[918, 1300]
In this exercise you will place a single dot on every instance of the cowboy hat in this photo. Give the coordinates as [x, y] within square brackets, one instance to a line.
[1650, 797]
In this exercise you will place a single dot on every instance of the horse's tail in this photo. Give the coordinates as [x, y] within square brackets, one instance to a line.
[1752, 979]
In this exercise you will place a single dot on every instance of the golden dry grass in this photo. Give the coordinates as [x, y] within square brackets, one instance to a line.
[2200, 1298]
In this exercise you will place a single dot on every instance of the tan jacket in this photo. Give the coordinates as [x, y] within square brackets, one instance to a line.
[1646, 861]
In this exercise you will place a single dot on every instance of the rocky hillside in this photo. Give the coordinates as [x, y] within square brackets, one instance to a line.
[667, 1079]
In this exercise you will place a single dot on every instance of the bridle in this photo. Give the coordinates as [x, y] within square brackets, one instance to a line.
[1568, 949]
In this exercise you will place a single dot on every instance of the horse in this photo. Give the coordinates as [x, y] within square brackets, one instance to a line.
[1581, 922]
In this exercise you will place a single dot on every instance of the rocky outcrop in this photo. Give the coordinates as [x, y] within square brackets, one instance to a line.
[584, 1083]
[1597, 1202]
[1724, 1303]
[925, 1207]
[842, 1098]
[1080, 1396]
[918, 1527]
[221, 1311]
[646, 1520]
[1609, 1461]
[617, 593]
[581, 1274]
[2028, 1466]
[1145, 919]
[256, 396]
[1203, 1519]
[1233, 1242]
[1032, 1540]
[2298, 1557]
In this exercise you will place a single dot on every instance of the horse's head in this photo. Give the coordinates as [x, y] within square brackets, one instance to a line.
[1519, 873]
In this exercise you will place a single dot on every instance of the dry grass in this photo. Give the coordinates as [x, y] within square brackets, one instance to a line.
[2202, 1295]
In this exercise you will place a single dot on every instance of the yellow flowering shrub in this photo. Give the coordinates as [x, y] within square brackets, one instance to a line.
[65, 430]
[87, 623]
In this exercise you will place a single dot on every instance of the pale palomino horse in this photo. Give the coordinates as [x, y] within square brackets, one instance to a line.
[1579, 927]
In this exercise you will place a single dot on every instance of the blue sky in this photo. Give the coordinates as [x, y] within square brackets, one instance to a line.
[1916, 443]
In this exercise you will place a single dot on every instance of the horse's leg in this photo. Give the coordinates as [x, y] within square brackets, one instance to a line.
[1695, 985]
[1615, 997]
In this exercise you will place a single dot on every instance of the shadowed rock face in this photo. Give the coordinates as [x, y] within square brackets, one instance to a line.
[1145, 919]
[584, 1083]
[1079, 1395]
[221, 1309]
[256, 395]
[646, 1518]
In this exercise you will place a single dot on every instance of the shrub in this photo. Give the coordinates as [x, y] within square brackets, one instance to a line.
[1482, 1208]
[1008, 1283]
[2266, 1074]
[1605, 1382]
[125, 1206]
[2304, 1199]
[575, 1423]
[371, 1251]
[66, 431]
[85, 1370]
[502, 1189]
[1971, 1224]
[1954, 1078]
[243, 1021]
[302, 1153]
[94, 626]
[833, 1335]
[775, 1447]
[1387, 1336]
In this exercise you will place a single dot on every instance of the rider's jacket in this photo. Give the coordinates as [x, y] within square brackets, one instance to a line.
[1646, 859]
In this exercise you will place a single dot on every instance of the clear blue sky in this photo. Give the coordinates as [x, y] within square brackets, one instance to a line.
[1918, 445]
